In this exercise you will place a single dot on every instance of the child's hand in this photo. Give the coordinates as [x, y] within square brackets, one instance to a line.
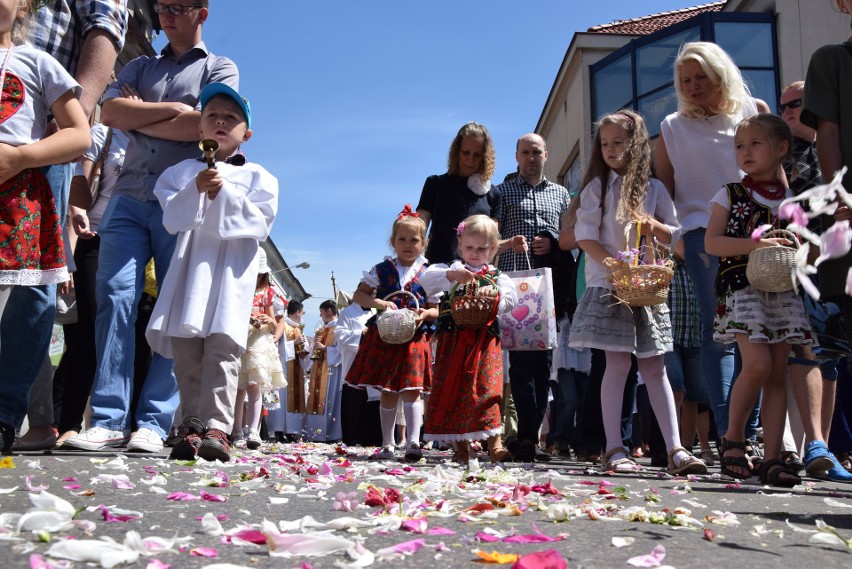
[386, 305]
[843, 213]
[772, 242]
[10, 162]
[461, 276]
[488, 291]
[424, 314]
[518, 244]
[209, 182]
[611, 262]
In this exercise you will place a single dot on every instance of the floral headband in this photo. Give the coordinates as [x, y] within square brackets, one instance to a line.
[460, 228]
[407, 212]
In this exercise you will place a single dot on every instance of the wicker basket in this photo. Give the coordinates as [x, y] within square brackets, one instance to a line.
[642, 285]
[770, 269]
[397, 326]
[470, 310]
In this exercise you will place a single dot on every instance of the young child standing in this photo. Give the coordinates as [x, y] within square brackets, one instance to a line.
[261, 372]
[397, 370]
[220, 214]
[468, 389]
[33, 86]
[763, 324]
[618, 190]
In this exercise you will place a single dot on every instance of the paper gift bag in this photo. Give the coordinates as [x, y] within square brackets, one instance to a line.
[531, 325]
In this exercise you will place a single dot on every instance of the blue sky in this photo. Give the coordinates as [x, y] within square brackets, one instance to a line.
[355, 103]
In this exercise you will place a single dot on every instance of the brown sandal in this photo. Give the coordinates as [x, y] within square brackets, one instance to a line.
[496, 451]
[690, 464]
[621, 465]
[462, 452]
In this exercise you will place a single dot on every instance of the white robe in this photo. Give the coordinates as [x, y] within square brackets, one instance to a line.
[211, 280]
[326, 427]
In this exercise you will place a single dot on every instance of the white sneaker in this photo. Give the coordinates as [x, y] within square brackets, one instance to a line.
[97, 438]
[253, 441]
[145, 440]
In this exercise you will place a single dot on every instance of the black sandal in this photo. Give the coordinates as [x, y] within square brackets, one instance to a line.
[775, 473]
[737, 461]
[793, 461]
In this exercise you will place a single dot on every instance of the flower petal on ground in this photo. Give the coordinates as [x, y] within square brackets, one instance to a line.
[654, 559]
[622, 541]
[549, 559]
[496, 557]
[288, 545]
[106, 553]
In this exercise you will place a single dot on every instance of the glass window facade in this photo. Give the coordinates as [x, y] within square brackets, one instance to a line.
[640, 74]
[571, 180]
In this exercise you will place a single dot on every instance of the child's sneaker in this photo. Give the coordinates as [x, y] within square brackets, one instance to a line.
[187, 447]
[215, 446]
[253, 441]
[385, 454]
[413, 452]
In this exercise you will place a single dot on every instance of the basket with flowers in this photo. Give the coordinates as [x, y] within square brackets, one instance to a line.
[637, 281]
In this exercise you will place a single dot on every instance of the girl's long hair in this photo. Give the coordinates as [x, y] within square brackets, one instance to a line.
[637, 158]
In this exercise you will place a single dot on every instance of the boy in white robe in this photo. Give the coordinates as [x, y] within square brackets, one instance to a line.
[325, 426]
[220, 213]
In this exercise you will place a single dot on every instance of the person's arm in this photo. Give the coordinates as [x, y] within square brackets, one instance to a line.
[663, 166]
[718, 244]
[68, 143]
[96, 62]
[80, 195]
[596, 251]
[828, 148]
[762, 107]
[279, 327]
[364, 297]
[128, 114]
[425, 216]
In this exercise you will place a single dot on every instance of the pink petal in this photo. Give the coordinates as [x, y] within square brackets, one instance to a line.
[122, 484]
[757, 234]
[654, 559]
[404, 547]
[208, 497]
[415, 526]
[549, 559]
[182, 497]
[537, 537]
[794, 212]
[250, 535]
[486, 537]
[440, 531]
[28, 480]
[157, 564]
[835, 241]
[325, 469]
[204, 552]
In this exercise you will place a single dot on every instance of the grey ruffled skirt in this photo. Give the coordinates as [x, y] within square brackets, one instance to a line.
[604, 323]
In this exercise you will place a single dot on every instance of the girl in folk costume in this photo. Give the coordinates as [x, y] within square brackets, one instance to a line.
[618, 190]
[33, 86]
[261, 373]
[465, 402]
[397, 370]
[763, 324]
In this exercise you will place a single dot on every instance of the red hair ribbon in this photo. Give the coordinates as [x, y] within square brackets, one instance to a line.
[407, 212]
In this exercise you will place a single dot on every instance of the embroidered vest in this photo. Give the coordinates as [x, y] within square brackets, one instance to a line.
[745, 215]
[389, 283]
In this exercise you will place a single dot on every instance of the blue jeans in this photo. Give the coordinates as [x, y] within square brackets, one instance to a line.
[572, 390]
[683, 367]
[717, 359]
[59, 178]
[131, 233]
[26, 323]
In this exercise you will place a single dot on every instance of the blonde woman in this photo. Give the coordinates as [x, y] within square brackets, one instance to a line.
[695, 157]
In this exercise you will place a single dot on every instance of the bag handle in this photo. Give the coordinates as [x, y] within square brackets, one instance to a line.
[526, 255]
[651, 246]
[416, 303]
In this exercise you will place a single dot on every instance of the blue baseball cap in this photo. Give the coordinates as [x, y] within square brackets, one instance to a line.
[212, 89]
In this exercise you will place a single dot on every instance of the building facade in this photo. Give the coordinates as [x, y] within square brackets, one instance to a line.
[629, 64]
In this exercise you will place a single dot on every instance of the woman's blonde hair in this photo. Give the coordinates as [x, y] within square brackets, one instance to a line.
[479, 226]
[721, 70]
[475, 130]
[636, 159]
[20, 27]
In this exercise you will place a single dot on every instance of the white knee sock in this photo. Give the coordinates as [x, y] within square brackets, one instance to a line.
[388, 418]
[413, 419]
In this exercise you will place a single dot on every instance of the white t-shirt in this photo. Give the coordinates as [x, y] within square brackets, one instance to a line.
[113, 163]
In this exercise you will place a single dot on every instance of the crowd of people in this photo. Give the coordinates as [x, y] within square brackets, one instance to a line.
[180, 340]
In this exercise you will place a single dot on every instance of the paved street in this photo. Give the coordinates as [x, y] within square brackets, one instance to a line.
[283, 506]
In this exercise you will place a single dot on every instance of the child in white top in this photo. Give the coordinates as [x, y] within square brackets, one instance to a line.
[468, 388]
[763, 324]
[618, 191]
[220, 213]
[33, 86]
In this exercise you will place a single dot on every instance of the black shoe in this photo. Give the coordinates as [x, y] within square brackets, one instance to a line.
[541, 456]
[215, 446]
[525, 452]
[7, 437]
[564, 453]
[187, 448]
[659, 460]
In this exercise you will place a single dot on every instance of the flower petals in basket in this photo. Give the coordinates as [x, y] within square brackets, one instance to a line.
[470, 309]
[641, 284]
[397, 326]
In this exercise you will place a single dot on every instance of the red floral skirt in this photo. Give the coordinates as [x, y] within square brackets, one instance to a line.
[468, 389]
[392, 367]
[31, 248]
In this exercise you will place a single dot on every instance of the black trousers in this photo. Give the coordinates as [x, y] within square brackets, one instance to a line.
[529, 377]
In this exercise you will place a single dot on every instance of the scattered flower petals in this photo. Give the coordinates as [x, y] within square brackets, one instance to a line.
[623, 541]
[496, 557]
[550, 559]
[654, 559]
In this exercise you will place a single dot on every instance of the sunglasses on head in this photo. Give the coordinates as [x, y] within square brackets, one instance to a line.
[794, 104]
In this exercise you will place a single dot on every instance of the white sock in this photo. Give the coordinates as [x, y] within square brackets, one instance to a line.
[413, 419]
[388, 418]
